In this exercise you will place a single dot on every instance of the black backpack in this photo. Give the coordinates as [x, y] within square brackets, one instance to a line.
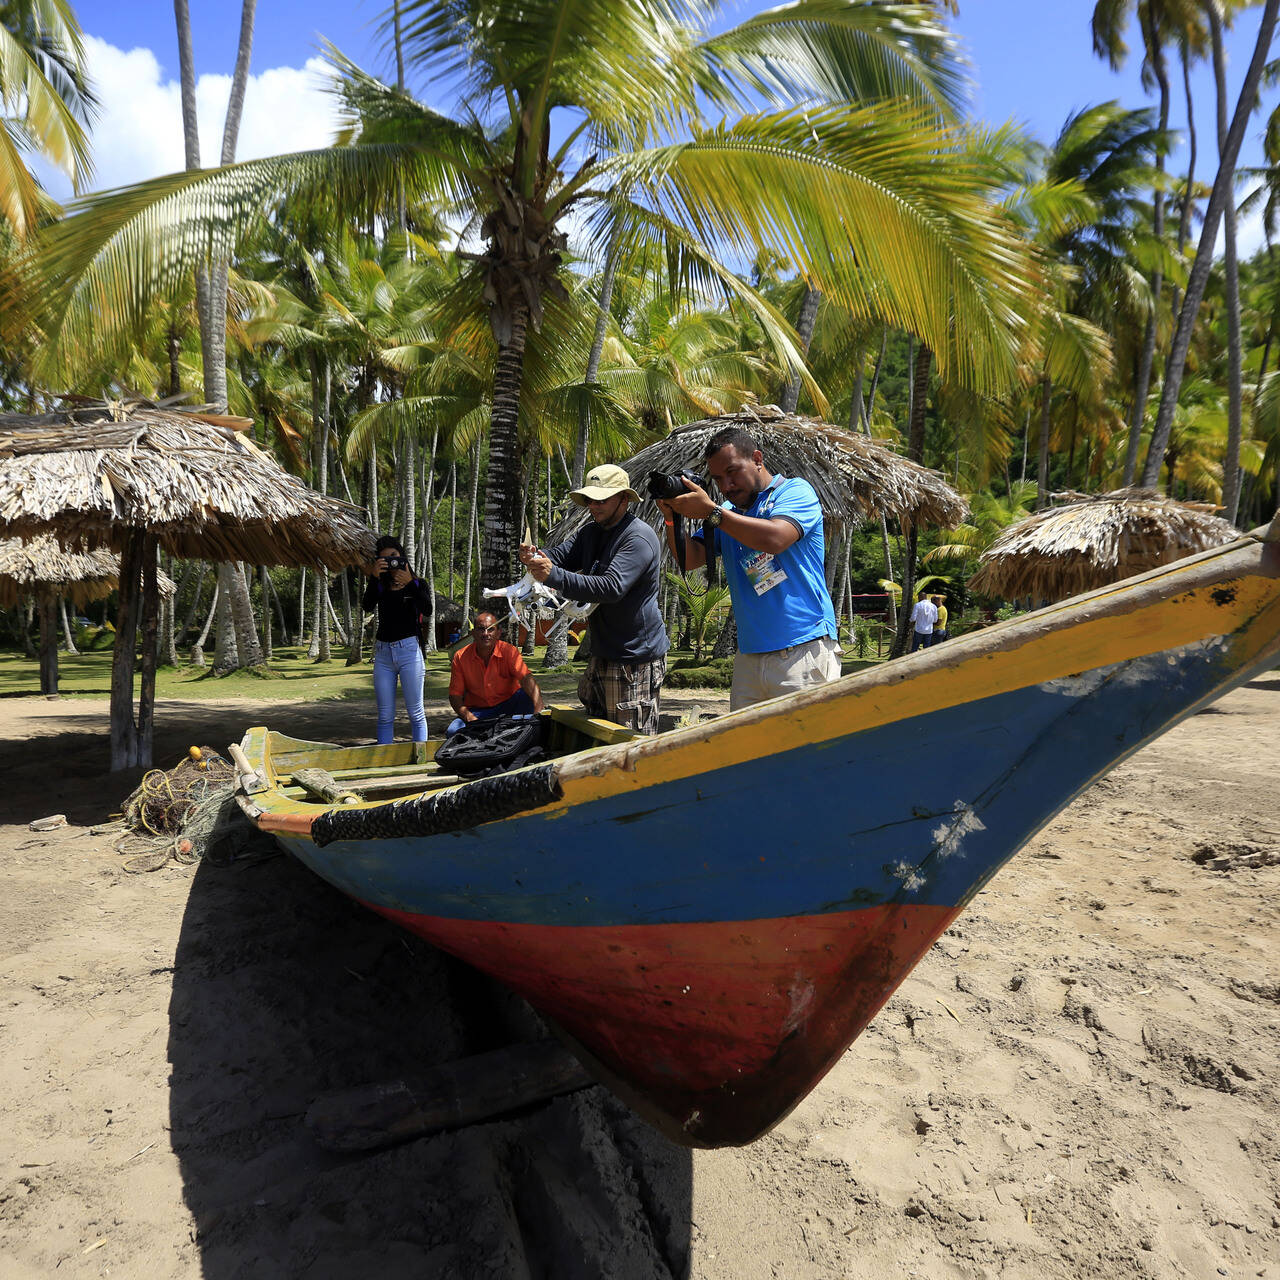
[495, 745]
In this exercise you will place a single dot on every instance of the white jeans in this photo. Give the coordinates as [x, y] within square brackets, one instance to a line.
[758, 676]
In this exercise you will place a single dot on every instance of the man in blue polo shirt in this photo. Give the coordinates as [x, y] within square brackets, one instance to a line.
[769, 533]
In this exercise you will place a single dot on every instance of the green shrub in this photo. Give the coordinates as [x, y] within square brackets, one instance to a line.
[715, 673]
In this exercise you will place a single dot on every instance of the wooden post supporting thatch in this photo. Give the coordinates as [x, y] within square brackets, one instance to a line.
[48, 643]
[124, 729]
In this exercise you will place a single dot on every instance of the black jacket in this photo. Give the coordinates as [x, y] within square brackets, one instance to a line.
[397, 610]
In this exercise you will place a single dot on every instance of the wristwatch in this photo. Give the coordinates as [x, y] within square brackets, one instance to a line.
[714, 518]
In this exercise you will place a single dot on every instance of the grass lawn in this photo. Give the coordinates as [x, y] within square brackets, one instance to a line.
[293, 678]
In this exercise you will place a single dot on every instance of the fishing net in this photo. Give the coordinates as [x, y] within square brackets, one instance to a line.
[188, 813]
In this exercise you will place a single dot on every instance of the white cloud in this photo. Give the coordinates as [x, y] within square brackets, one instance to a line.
[138, 130]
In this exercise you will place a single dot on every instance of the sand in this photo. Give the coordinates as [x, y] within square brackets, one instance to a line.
[1081, 1079]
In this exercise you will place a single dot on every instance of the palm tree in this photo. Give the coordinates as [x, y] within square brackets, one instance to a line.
[46, 103]
[879, 206]
[1223, 192]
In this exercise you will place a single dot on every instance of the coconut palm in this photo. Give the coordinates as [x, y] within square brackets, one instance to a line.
[880, 206]
[45, 102]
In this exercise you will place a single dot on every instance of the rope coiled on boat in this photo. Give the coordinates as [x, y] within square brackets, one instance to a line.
[485, 800]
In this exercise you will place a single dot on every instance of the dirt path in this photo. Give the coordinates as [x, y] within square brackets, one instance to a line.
[1081, 1079]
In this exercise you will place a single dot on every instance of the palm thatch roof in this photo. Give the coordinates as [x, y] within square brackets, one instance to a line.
[43, 564]
[855, 476]
[1093, 541]
[190, 478]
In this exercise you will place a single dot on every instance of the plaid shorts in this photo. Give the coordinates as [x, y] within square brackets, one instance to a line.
[624, 692]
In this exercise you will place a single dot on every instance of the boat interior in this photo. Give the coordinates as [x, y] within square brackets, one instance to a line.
[377, 773]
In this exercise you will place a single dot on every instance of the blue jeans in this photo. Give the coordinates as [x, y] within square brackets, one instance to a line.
[517, 705]
[919, 641]
[402, 658]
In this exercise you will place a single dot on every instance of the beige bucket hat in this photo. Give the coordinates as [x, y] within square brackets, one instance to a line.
[604, 482]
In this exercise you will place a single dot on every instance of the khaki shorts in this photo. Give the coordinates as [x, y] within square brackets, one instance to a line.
[758, 676]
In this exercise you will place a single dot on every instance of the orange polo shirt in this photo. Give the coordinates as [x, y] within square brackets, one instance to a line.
[484, 684]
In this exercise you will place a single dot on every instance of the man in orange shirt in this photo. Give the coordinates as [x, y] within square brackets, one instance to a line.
[489, 678]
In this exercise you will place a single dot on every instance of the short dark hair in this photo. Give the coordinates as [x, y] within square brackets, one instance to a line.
[743, 441]
[386, 542]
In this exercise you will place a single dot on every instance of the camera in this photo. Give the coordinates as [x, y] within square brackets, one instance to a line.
[665, 487]
[392, 563]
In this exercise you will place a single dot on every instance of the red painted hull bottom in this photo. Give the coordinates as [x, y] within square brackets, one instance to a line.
[713, 1032]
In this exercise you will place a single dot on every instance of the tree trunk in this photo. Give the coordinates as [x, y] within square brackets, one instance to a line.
[1231, 459]
[264, 588]
[804, 331]
[866, 429]
[1046, 424]
[228, 655]
[471, 529]
[28, 617]
[582, 439]
[68, 639]
[49, 644]
[1222, 192]
[429, 524]
[915, 451]
[502, 490]
[197, 649]
[319, 650]
[1184, 213]
[200, 570]
[1147, 360]
[408, 467]
[248, 650]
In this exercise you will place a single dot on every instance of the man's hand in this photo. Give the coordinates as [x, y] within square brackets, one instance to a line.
[401, 579]
[468, 716]
[696, 504]
[539, 565]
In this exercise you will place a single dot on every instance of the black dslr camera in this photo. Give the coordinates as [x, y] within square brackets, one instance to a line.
[392, 563]
[663, 486]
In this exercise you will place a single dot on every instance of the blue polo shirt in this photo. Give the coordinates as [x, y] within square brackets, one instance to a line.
[780, 600]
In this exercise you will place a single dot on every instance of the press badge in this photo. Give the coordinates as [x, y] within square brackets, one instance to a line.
[762, 572]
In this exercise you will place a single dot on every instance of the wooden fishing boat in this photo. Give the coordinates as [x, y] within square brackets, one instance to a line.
[711, 916]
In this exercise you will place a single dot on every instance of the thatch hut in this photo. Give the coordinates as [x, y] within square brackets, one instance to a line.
[1093, 541]
[45, 569]
[132, 475]
[856, 478]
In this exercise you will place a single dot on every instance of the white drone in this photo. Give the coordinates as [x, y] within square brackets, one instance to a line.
[530, 601]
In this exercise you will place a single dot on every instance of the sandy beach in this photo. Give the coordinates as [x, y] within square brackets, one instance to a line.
[1082, 1078]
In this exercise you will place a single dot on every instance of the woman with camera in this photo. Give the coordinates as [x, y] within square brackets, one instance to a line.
[400, 599]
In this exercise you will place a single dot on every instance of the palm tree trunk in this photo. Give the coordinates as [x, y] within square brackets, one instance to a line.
[1231, 459]
[499, 540]
[1184, 212]
[1222, 192]
[471, 530]
[408, 469]
[264, 585]
[885, 549]
[68, 639]
[28, 617]
[915, 451]
[428, 539]
[1046, 423]
[1147, 360]
[583, 437]
[453, 531]
[228, 657]
[197, 649]
[248, 650]
[373, 484]
[804, 331]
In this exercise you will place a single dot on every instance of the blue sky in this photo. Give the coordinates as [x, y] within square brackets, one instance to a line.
[1032, 62]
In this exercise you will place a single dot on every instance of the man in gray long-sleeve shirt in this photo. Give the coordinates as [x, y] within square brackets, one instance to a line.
[612, 562]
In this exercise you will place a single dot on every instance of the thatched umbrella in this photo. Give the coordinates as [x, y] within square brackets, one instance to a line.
[1093, 541]
[855, 476]
[45, 569]
[133, 474]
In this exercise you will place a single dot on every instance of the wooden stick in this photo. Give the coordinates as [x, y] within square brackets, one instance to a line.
[457, 1093]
